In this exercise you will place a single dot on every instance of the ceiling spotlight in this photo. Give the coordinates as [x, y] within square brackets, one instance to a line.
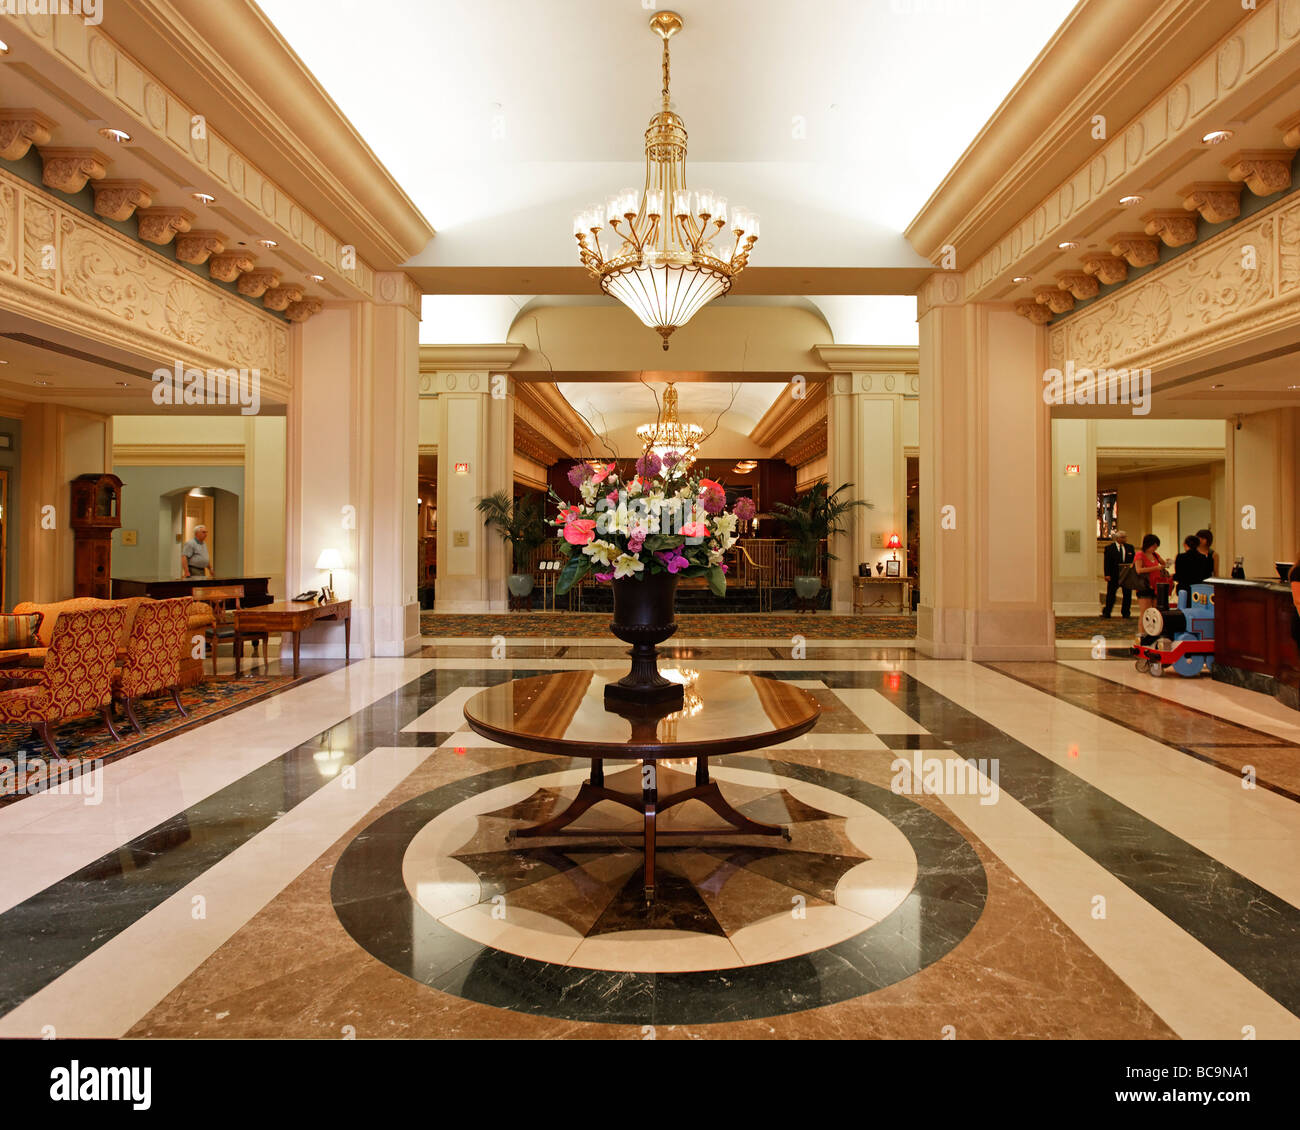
[1216, 386]
[316, 278]
[4, 47]
[1216, 136]
[1021, 278]
[40, 382]
[1067, 245]
[4, 362]
[1129, 201]
[123, 384]
[268, 243]
[1293, 388]
[118, 135]
[203, 197]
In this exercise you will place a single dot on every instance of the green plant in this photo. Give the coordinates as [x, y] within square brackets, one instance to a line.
[519, 521]
[815, 517]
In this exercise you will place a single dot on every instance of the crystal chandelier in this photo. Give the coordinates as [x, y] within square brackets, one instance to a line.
[669, 433]
[665, 267]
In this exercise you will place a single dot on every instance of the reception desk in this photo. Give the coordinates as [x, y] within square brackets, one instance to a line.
[256, 589]
[1253, 647]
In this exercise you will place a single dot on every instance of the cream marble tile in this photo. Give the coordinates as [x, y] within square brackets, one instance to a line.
[655, 951]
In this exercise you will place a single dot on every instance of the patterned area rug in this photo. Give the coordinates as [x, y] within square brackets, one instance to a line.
[716, 625]
[85, 740]
[1085, 627]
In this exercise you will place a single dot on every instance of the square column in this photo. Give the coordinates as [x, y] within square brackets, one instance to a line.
[351, 477]
[985, 514]
[1262, 523]
[1076, 579]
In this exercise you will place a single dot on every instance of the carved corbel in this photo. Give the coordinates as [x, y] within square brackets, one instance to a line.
[160, 225]
[1291, 131]
[1079, 284]
[257, 282]
[1058, 301]
[1217, 200]
[301, 311]
[68, 169]
[279, 297]
[20, 130]
[227, 266]
[196, 246]
[1136, 248]
[1108, 269]
[1175, 226]
[1033, 310]
[118, 199]
[1264, 171]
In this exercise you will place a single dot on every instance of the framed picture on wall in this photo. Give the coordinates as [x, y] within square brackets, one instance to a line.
[893, 567]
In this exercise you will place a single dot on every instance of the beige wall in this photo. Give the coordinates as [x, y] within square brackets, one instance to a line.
[1262, 473]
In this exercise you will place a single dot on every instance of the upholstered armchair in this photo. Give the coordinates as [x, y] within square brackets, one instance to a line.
[153, 655]
[76, 678]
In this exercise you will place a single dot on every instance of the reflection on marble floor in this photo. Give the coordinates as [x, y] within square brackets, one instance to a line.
[348, 838]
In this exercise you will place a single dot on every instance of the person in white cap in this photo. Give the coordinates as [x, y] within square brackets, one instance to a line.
[1118, 554]
[195, 561]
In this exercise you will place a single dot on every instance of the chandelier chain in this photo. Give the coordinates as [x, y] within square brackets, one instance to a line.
[666, 100]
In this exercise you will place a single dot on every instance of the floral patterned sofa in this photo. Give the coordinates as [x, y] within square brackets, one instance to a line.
[200, 616]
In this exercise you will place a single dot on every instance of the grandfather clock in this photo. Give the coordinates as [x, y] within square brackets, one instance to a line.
[96, 513]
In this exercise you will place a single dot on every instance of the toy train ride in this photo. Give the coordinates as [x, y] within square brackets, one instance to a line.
[1182, 639]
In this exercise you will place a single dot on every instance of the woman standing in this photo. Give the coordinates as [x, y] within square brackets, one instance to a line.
[1191, 567]
[1207, 548]
[1149, 565]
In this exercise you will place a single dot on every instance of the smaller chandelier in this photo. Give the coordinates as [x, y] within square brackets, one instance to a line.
[670, 251]
[670, 434]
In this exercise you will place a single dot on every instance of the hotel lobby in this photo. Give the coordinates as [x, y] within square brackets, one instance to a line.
[853, 597]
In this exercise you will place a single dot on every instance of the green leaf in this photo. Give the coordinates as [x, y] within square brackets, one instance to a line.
[577, 567]
[663, 541]
[717, 580]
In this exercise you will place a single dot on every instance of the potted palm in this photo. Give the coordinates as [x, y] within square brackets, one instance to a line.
[818, 516]
[519, 521]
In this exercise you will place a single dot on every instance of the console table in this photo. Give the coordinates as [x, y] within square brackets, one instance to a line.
[565, 713]
[870, 592]
[290, 616]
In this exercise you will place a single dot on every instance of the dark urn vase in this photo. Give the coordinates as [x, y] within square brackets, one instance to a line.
[644, 617]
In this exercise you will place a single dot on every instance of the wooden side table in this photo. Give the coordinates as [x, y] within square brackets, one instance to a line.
[869, 592]
[290, 616]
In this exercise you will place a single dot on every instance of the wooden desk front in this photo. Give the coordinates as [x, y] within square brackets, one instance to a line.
[291, 616]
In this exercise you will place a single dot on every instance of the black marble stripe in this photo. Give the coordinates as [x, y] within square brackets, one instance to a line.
[47, 934]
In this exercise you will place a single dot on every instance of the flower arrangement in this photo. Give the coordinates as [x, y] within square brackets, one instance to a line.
[665, 519]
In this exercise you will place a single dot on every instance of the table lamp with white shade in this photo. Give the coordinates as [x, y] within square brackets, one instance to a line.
[328, 561]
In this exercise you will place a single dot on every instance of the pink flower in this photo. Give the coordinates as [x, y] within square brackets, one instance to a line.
[604, 576]
[568, 514]
[649, 464]
[601, 475]
[635, 541]
[712, 496]
[695, 530]
[745, 509]
[612, 498]
[578, 474]
[674, 560]
[581, 531]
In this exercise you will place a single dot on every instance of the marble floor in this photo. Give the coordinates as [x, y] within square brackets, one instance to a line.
[1011, 850]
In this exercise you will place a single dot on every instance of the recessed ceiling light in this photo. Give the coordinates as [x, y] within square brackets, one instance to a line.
[39, 382]
[1021, 278]
[1216, 136]
[123, 384]
[1293, 388]
[4, 362]
[203, 197]
[1216, 386]
[316, 278]
[1067, 245]
[4, 47]
[1129, 201]
[268, 243]
[118, 135]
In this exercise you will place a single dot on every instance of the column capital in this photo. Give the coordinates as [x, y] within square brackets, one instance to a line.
[943, 288]
[393, 288]
[473, 382]
[869, 358]
[495, 358]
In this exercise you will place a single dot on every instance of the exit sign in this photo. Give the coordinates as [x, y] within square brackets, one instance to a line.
[462, 468]
[1072, 468]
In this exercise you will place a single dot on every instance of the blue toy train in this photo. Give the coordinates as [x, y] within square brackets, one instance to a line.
[1182, 639]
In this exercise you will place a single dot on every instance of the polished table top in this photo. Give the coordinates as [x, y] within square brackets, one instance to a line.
[565, 713]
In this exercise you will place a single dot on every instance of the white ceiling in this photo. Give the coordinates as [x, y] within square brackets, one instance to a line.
[835, 119]
[616, 405]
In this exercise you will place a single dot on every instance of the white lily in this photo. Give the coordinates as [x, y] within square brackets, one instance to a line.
[627, 566]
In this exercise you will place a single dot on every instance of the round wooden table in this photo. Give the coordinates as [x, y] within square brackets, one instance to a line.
[565, 714]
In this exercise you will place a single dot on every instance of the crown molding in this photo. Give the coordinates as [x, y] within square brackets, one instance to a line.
[178, 454]
[1042, 129]
[868, 358]
[230, 60]
[497, 357]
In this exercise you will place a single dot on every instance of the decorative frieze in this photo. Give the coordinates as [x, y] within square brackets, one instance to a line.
[68, 169]
[119, 199]
[196, 246]
[1217, 201]
[1175, 227]
[1137, 249]
[1108, 269]
[1264, 171]
[1079, 283]
[20, 130]
[161, 225]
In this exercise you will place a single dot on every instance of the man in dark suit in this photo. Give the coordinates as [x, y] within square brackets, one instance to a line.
[1118, 554]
